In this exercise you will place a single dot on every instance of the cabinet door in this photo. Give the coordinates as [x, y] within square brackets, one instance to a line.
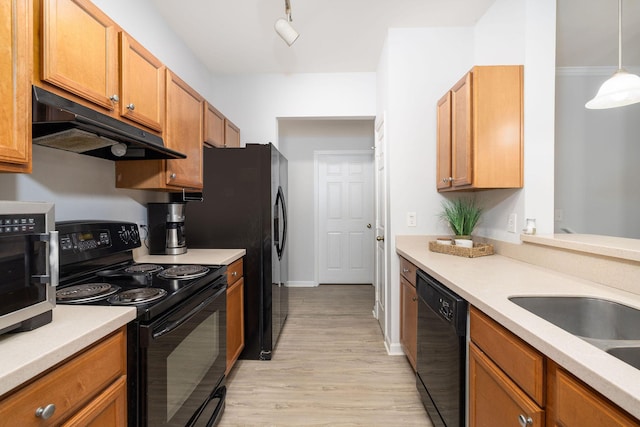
[461, 132]
[443, 149]
[571, 403]
[15, 85]
[231, 134]
[142, 84]
[494, 400]
[80, 50]
[409, 320]
[213, 126]
[184, 133]
[107, 410]
[235, 322]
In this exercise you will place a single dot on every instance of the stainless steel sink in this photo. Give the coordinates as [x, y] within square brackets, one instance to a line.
[630, 355]
[586, 317]
[608, 325]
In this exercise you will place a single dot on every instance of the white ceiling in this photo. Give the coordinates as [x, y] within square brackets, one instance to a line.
[237, 36]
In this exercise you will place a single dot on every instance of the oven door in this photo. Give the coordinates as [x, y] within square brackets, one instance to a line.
[183, 360]
[29, 266]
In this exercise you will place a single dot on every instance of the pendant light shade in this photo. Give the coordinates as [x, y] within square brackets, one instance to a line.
[622, 88]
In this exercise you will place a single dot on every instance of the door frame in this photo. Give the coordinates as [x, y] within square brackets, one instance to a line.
[316, 196]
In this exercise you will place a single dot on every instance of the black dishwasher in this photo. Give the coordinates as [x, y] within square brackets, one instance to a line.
[442, 350]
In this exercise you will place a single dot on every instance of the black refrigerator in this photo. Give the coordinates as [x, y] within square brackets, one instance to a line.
[244, 205]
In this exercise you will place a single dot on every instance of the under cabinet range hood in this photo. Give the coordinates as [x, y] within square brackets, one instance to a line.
[67, 125]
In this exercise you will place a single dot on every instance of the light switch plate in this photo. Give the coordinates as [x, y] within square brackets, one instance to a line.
[411, 219]
[511, 225]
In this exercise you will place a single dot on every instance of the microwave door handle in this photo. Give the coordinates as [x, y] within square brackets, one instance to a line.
[52, 274]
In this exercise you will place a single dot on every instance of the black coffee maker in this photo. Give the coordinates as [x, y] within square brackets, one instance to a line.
[166, 228]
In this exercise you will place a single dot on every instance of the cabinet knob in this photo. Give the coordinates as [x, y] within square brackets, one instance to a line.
[414, 299]
[405, 270]
[173, 175]
[524, 420]
[115, 97]
[234, 274]
[131, 107]
[46, 412]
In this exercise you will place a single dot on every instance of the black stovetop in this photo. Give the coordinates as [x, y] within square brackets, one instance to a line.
[99, 252]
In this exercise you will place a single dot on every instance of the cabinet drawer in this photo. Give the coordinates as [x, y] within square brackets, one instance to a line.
[235, 271]
[523, 364]
[496, 400]
[69, 386]
[408, 270]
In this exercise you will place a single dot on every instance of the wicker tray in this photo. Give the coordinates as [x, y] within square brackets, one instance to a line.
[478, 250]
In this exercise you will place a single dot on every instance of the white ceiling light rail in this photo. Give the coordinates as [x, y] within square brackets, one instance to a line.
[623, 88]
[283, 26]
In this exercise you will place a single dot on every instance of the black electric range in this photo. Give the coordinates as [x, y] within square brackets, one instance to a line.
[176, 346]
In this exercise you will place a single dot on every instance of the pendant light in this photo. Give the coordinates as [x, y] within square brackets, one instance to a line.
[622, 88]
[283, 26]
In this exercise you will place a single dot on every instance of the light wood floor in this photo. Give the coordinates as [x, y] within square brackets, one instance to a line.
[330, 368]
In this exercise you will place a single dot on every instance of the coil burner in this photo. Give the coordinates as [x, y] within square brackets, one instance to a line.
[184, 272]
[137, 296]
[87, 292]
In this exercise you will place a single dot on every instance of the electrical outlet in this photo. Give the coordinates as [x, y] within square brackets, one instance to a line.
[511, 225]
[411, 219]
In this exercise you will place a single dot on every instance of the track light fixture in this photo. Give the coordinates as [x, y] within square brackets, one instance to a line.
[283, 26]
[622, 88]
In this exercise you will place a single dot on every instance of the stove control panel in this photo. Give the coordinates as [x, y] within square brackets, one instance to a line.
[86, 240]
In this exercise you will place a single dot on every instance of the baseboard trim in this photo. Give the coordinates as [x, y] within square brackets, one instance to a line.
[302, 284]
[393, 349]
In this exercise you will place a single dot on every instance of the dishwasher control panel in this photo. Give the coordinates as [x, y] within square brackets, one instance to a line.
[445, 308]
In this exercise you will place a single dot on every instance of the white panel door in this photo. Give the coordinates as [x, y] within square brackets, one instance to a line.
[380, 282]
[345, 217]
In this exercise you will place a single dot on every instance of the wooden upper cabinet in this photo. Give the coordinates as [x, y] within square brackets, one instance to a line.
[231, 135]
[80, 51]
[142, 84]
[15, 85]
[443, 149]
[486, 130]
[213, 126]
[184, 133]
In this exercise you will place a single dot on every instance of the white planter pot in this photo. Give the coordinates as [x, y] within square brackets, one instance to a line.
[465, 243]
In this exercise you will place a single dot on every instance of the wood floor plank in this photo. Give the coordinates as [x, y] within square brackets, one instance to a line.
[330, 368]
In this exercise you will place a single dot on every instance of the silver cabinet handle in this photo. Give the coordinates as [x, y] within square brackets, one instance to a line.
[172, 176]
[414, 299]
[115, 97]
[405, 270]
[46, 412]
[131, 107]
[234, 274]
[524, 421]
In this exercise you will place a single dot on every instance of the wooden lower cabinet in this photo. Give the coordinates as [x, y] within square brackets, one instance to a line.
[495, 399]
[408, 311]
[511, 383]
[573, 403]
[89, 389]
[235, 312]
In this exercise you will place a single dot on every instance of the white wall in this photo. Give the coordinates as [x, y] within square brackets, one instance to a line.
[299, 139]
[596, 159]
[420, 66]
[255, 102]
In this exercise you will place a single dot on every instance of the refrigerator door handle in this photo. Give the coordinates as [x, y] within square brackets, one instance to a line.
[280, 202]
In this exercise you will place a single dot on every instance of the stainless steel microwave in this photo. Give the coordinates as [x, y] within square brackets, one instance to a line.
[28, 265]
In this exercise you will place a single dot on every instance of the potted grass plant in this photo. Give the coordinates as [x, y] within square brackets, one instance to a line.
[462, 215]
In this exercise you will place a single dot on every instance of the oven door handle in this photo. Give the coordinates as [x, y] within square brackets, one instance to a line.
[171, 326]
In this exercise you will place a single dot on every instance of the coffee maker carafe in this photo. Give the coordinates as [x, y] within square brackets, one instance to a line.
[166, 228]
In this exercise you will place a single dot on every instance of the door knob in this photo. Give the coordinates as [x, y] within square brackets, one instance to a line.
[368, 225]
[380, 238]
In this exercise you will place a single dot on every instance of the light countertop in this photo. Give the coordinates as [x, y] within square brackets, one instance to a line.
[487, 282]
[193, 256]
[24, 355]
